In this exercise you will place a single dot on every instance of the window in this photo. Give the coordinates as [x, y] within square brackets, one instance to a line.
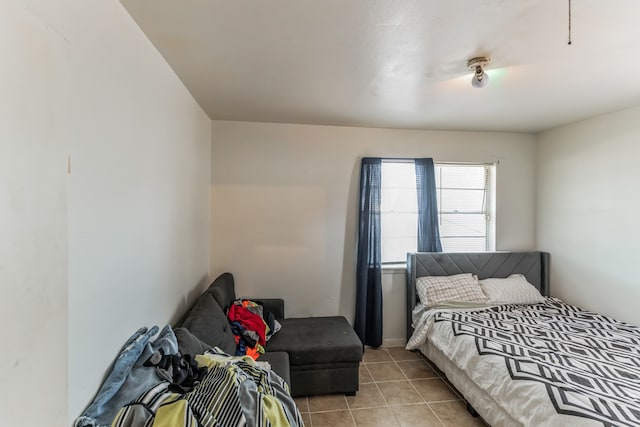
[399, 211]
[466, 202]
[465, 207]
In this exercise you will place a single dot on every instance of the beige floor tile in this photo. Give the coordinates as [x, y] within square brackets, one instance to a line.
[302, 404]
[434, 368]
[329, 402]
[374, 417]
[399, 393]
[386, 398]
[365, 376]
[385, 371]
[367, 397]
[452, 387]
[332, 419]
[417, 369]
[400, 354]
[454, 414]
[372, 355]
[433, 390]
[415, 415]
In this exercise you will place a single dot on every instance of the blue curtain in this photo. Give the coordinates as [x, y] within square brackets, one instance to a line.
[428, 229]
[368, 321]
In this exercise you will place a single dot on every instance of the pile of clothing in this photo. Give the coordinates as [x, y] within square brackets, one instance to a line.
[252, 326]
[151, 384]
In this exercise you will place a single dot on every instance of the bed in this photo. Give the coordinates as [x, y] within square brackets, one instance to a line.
[541, 364]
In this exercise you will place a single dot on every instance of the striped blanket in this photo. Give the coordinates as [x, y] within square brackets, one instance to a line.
[235, 392]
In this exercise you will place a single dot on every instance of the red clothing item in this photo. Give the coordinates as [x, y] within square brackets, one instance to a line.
[249, 320]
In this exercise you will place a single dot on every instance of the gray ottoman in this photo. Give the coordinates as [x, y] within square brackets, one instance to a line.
[324, 354]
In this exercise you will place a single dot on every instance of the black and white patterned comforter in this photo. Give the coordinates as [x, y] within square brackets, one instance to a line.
[549, 364]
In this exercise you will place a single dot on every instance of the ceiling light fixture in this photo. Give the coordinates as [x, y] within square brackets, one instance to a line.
[480, 79]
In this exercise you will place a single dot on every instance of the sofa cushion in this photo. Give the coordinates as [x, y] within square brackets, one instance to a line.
[207, 321]
[315, 340]
[189, 343]
[223, 291]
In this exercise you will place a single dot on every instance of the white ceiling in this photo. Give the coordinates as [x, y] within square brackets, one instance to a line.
[400, 63]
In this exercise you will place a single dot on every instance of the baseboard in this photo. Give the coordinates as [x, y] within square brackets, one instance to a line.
[394, 342]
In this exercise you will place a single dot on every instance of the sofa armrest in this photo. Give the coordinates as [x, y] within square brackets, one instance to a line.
[279, 361]
[274, 305]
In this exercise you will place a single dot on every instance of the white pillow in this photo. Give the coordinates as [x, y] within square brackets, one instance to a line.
[464, 287]
[511, 290]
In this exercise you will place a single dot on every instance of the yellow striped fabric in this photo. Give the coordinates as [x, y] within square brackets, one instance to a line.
[235, 392]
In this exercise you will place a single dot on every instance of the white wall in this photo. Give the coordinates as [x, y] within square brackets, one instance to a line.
[34, 81]
[284, 203]
[587, 212]
[121, 241]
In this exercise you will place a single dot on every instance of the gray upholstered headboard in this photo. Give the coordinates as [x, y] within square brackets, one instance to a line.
[533, 265]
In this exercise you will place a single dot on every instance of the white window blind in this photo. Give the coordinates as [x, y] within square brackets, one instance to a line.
[466, 200]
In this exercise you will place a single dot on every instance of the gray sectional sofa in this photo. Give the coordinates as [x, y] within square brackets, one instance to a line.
[315, 355]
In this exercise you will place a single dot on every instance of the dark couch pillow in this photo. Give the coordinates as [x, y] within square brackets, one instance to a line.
[207, 321]
[223, 290]
[189, 343]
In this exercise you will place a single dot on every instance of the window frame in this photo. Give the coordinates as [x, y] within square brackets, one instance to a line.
[489, 197]
[489, 205]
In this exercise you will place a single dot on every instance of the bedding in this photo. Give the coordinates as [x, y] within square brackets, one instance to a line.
[434, 290]
[545, 364]
[235, 391]
[510, 290]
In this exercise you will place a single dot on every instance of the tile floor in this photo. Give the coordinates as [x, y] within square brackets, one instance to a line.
[398, 388]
